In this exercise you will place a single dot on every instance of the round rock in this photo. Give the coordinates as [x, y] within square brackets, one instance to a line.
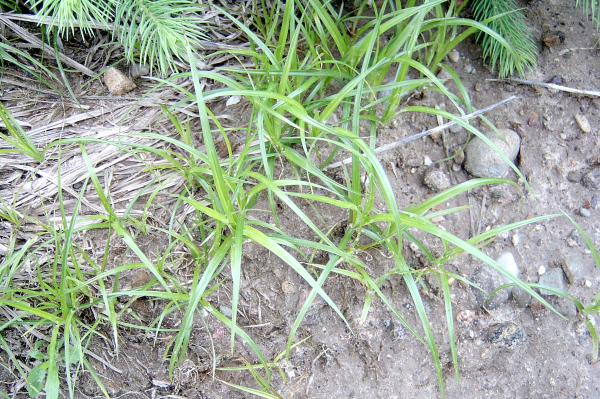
[507, 335]
[436, 180]
[489, 279]
[482, 161]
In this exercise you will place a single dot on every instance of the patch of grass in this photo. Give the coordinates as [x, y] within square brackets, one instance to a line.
[307, 66]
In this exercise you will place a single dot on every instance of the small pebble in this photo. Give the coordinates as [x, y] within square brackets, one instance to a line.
[594, 201]
[533, 119]
[573, 268]
[436, 180]
[443, 75]
[456, 128]
[541, 270]
[588, 283]
[552, 279]
[118, 84]
[515, 239]
[468, 68]
[507, 261]
[226, 310]
[583, 123]
[426, 160]
[478, 87]
[574, 177]
[584, 212]
[508, 335]
[232, 100]
[453, 56]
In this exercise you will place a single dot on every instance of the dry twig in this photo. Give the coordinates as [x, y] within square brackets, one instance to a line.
[548, 86]
[426, 133]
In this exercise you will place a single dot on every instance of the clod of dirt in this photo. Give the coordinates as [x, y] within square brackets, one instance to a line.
[483, 161]
[583, 123]
[554, 39]
[465, 317]
[436, 180]
[410, 160]
[507, 335]
[288, 287]
[591, 179]
[489, 279]
[573, 268]
[552, 279]
[118, 84]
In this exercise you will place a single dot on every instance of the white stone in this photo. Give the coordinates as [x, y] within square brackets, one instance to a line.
[507, 261]
[588, 283]
[541, 270]
[233, 100]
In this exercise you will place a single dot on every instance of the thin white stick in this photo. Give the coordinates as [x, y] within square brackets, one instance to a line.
[548, 86]
[425, 133]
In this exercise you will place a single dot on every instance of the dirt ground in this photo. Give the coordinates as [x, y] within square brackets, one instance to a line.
[551, 357]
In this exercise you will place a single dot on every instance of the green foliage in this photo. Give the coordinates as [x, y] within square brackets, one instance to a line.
[158, 29]
[307, 66]
[18, 139]
[503, 17]
[71, 14]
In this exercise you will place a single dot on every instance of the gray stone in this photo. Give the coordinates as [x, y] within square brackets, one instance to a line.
[436, 180]
[443, 75]
[591, 179]
[573, 268]
[226, 310]
[489, 279]
[482, 161]
[552, 279]
[574, 177]
[507, 335]
[456, 128]
[521, 297]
